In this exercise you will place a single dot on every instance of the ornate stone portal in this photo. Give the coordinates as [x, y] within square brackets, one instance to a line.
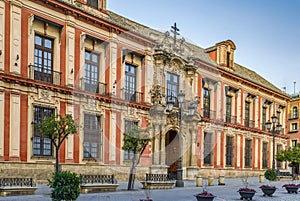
[173, 56]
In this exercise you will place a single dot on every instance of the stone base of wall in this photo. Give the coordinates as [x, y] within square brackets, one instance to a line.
[237, 173]
[41, 172]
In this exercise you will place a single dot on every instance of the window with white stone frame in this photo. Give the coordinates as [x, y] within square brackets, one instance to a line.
[208, 148]
[92, 137]
[248, 153]
[128, 154]
[42, 145]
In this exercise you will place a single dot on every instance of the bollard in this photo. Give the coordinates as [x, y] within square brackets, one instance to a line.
[221, 180]
[261, 178]
[210, 181]
[199, 182]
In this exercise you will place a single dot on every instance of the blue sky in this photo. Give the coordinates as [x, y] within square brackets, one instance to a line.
[266, 32]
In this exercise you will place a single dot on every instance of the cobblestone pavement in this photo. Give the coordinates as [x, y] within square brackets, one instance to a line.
[228, 192]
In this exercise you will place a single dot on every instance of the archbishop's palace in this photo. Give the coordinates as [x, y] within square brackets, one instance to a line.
[76, 57]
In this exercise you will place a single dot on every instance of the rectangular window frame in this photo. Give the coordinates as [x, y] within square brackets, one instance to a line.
[43, 59]
[228, 111]
[91, 71]
[248, 153]
[229, 150]
[172, 89]
[42, 146]
[208, 148]
[93, 3]
[130, 82]
[206, 103]
[265, 161]
[129, 154]
[93, 137]
[247, 113]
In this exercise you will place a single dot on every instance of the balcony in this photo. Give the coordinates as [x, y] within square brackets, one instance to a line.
[93, 86]
[230, 119]
[131, 96]
[293, 115]
[249, 123]
[207, 113]
[44, 75]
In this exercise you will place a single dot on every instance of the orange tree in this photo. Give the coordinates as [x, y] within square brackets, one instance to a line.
[291, 155]
[135, 140]
[57, 128]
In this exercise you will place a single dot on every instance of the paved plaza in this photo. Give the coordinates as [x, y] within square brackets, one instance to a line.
[227, 192]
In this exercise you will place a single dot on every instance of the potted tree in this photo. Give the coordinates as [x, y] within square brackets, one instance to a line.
[269, 190]
[246, 193]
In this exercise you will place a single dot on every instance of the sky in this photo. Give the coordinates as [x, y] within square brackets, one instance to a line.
[266, 32]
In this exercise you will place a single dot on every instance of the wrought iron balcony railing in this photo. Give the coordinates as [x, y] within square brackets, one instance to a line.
[249, 123]
[293, 115]
[131, 96]
[230, 119]
[44, 75]
[207, 113]
[93, 86]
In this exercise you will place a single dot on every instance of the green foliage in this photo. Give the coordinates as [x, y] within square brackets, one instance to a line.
[136, 139]
[57, 126]
[65, 186]
[290, 155]
[270, 175]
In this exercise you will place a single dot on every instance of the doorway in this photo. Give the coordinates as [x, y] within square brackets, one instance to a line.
[172, 152]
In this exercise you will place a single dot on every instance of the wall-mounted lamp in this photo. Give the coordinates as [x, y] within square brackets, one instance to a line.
[72, 71]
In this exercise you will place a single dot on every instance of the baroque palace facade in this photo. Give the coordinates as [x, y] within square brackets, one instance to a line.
[76, 57]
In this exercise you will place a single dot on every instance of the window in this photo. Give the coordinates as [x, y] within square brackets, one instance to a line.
[264, 118]
[130, 82]
[172, 86]
[208, 148]
[92, 3]
[294, 126]
[206, 103]
[228, 59]
[229, 150]
[294, 143]
[92, 137]
[91, 72]
[265, 155]
[229, 109]
[247, 113]
[43, 59]
[295, 112]
[128, 154]
[279, 149]
[248, 153]
[41, 145]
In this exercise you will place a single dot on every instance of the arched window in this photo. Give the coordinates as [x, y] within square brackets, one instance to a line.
[295, 112]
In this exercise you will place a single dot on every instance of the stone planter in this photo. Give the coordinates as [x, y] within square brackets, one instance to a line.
[246, 195]
[292, 189]
[205, 198]
[268, 191]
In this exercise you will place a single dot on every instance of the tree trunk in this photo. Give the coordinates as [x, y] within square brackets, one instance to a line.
[57, 169]
[131, 178]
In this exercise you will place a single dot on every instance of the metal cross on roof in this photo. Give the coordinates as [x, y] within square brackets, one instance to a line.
[175, 31]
